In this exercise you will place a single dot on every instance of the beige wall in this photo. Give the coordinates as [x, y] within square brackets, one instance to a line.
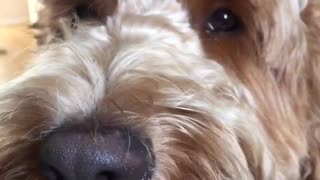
[13, 12]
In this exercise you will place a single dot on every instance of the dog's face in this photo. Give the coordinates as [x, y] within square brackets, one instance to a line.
[148, 89]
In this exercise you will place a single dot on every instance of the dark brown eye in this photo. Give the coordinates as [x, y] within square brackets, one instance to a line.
[83, 12]
[222, 21]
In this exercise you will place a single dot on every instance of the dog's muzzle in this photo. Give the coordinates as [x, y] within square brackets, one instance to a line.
[78, 154]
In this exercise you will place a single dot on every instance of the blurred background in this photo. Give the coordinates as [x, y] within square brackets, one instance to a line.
[17, 42]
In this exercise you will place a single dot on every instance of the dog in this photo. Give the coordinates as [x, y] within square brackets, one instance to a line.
[168, 90]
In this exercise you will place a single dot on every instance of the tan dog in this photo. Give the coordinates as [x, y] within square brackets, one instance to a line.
[169, 90]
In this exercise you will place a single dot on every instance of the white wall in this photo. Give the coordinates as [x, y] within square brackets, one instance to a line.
[13, 12]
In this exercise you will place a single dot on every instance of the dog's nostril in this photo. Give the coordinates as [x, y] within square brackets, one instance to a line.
[51, 173]
[75, 154]
[105, 176]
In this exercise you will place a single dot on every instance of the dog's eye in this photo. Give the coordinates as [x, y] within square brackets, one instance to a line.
[222, 21]
[83, 12]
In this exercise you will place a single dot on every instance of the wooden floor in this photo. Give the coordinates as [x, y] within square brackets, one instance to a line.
[16, 47]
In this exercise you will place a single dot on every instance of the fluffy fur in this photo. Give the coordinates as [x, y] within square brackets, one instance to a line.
[244, 107]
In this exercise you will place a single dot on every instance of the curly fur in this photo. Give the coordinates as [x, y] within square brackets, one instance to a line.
[239, 108]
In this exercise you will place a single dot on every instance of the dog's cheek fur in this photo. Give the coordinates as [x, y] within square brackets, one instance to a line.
[311, 18]
[273, 52]
[291, 53]
[292, 58]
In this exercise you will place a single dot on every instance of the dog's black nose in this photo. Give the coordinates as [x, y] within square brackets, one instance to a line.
[75, 154]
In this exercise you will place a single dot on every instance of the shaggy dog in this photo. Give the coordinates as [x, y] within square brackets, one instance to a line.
[169, 90]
